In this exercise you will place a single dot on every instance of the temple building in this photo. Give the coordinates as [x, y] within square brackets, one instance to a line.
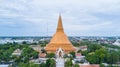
[60, 44]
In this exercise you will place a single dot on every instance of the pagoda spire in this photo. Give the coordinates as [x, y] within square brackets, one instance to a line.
[60, 26]
[60, 40]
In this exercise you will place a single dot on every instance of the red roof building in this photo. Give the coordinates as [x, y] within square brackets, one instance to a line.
[42, 55]
[89, 65]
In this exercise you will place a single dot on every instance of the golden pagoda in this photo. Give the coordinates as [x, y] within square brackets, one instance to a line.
[60, 40]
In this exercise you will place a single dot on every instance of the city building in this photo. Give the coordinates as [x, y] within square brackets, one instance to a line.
[117, 42]
[78, 55]
[36, 48]
[42, 55]
[17, 52]
[83, 48]
[89, 65]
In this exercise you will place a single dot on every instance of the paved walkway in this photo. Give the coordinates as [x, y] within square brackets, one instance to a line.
[60, 62]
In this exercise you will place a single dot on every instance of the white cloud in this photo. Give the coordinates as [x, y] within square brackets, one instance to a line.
[78, 16]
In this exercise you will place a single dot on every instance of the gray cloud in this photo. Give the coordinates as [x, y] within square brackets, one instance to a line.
[80, 17]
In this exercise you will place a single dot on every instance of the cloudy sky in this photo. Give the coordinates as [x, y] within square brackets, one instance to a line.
[80, 17]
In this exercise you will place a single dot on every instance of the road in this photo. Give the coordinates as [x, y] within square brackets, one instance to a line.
[60, 62]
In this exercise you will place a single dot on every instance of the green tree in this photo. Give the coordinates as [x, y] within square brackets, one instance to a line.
[28, 53]
[68, 63]
[76, 65]
[50, 55]
[43, 50]
[79, 51]
[42, 65]
[73, 54]
[92, 58]
[93, 47]
[28, 65]
[101, 54]
[84, 53]
[102, 65]
[50, 63]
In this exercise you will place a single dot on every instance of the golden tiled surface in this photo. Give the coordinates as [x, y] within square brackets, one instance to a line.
[60, 40]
